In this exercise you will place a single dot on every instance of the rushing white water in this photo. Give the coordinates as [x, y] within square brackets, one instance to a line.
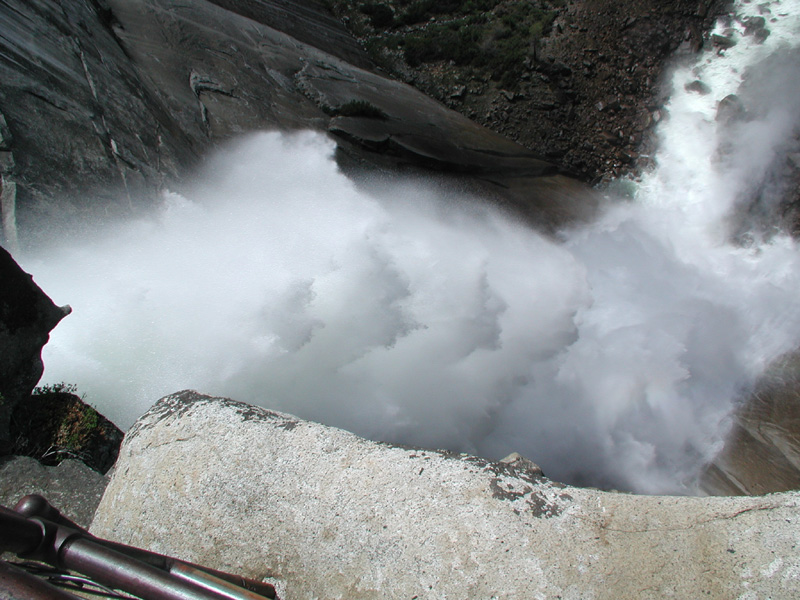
[613, 358]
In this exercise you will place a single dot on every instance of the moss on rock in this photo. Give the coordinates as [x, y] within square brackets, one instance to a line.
[54, 424]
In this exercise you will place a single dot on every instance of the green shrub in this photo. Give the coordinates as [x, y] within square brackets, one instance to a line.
[417, 12]
[457, 41]
[56, 388]
[489, 36]
[380, 15]
[90, 419]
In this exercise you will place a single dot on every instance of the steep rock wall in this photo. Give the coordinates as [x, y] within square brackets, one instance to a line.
[27, 315]
[105, 102]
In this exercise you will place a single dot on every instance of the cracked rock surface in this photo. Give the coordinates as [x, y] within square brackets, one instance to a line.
[72, 487]
[106, 102]
[325, 513]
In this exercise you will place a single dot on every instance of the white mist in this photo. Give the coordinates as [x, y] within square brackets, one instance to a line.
[613, 358]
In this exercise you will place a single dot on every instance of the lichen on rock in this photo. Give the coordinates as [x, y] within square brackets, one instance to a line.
[321, 511]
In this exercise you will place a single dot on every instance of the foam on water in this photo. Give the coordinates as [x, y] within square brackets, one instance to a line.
[612, 358]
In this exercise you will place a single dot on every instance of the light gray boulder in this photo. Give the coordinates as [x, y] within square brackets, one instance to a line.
[72, 487]
[330, 515]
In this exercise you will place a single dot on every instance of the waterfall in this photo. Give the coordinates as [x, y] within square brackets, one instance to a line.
[612, 357]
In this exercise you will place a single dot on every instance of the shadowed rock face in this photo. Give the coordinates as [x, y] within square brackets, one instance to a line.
[53, 425]
[762, 453]
[108, 101]
[322, 511]
[72, 487]
[27, 316]
[79, 116]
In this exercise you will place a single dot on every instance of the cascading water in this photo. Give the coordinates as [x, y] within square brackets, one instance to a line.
[613, 358]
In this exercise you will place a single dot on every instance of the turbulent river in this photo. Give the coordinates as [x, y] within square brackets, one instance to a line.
[613, 356]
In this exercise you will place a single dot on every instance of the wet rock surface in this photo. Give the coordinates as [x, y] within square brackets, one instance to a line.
[118, 100]
[321, 511]
[766, 105]
[86, 131]
[762, 452]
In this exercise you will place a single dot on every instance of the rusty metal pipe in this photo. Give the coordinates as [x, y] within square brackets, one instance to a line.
[116, 570]
[18, 534]
[36, 506]
[205, 580]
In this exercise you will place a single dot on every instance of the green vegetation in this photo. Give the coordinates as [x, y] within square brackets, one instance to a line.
[54, 424]
[90, 419]
[457, 41]
[56, 388]
[493, 37]
[380, 15]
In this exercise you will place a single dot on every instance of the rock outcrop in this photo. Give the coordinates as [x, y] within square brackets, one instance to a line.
[327, 514]
[54, 425]
[762, 452]
[72, 487]
[118, 98]
[27, 316]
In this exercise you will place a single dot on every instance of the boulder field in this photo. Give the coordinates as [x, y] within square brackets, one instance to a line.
[320, 512]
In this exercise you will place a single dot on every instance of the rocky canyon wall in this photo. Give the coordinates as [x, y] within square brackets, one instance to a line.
[105, 103]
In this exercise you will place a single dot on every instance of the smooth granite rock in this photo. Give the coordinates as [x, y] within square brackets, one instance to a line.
[762, 452]
[331, 515]
[72, 487]
[106, 102]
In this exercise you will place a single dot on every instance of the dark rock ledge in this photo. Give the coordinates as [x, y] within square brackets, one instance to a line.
[27, 316]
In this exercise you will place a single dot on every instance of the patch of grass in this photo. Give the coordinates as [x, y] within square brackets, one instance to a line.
[90, 419]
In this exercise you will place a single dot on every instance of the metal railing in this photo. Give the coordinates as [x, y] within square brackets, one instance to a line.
[36, 531]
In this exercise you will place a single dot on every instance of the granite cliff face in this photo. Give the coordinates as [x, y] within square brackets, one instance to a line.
[105, 102]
